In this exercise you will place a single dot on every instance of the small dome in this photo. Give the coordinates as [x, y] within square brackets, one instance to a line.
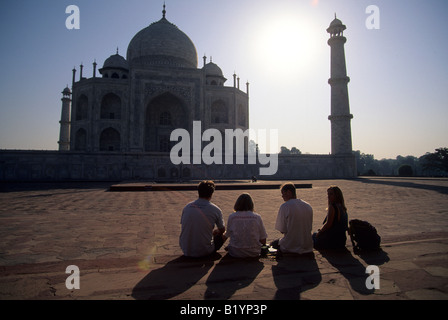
[212, 69]
[116, 62]
[336, 23]
[336, 27]
[162, 44]
[66, 91]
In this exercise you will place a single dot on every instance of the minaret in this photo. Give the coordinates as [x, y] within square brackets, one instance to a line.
[341, 134]
[64, 134]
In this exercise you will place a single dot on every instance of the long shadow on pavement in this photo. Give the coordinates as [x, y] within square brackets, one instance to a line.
[352, 269]
[295, 274]
[230, 275]
[174, 278]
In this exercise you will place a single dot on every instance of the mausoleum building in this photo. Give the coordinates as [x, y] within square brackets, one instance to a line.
[116, 122]
[135, 103]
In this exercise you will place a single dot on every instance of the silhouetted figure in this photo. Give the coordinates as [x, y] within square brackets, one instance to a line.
[333, 235]
[295, 221]
[198, 237]
[245, 229]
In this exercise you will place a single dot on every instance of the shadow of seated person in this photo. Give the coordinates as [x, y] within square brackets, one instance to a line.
[230, 275]
[294, 274]
[373, 256]
[174, 278]
[349, 267]
[377, 257]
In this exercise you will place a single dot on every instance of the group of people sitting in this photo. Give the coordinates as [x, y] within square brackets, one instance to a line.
[204, 231]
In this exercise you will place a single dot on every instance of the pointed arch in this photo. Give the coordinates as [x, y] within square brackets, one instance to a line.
[219, 112]
[110, 107]
[110, 140]
[164, 113]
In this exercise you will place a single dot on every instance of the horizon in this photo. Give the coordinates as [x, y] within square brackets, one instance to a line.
[397, 90]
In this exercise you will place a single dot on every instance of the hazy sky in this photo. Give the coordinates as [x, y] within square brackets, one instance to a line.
[398, 90]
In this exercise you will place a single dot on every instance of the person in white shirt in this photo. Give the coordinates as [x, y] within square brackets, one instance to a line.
[198, 237]
[245, 229]
[295, 221]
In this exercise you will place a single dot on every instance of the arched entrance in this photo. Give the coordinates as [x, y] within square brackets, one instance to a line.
[164, 113]
[110, 140]
[110, 107]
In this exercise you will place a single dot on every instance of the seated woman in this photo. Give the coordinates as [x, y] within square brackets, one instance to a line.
[333, 232]
[245, 229]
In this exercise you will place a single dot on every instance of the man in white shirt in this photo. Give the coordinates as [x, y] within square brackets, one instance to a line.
[198, 238]
[295, 221]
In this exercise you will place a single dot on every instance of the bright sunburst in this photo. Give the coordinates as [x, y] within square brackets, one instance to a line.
[285, 42]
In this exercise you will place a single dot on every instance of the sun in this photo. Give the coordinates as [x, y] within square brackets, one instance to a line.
[285, 43]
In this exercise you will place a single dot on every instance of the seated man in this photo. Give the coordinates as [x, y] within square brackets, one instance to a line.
[295, 221]
[198, 238]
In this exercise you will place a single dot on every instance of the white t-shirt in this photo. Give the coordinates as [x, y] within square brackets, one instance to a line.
[295, 221]
[245, 229]
[198, 221]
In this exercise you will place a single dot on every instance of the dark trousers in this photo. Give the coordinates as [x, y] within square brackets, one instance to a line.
[218, 241]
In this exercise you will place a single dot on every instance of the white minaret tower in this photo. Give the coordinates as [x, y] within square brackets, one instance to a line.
[341, 133]
[64, 134]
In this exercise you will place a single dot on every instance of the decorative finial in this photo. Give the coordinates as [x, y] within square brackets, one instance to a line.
[164, 11]
[335, 15]
[117, 50]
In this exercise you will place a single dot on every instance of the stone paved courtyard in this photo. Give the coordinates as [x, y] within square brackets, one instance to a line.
[132, 236]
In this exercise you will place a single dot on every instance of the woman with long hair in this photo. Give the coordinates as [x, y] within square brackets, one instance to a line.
[333, 235]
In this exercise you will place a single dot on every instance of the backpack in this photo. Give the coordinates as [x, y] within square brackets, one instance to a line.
[363, 235]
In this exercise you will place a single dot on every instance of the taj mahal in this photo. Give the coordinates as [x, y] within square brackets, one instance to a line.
[117, 121]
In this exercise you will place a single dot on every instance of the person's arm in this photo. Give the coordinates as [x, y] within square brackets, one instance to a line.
[262, 231]
[330, 218]
[221, 227]
[219, 231]
[280, 223]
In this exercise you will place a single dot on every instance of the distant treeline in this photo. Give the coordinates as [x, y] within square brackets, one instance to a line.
[429, 165]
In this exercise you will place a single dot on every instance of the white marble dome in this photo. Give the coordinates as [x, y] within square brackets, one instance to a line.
[212, 69]
[116, 62]
[162, 44]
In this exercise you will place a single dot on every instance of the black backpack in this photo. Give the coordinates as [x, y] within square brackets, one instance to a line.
[363, 235]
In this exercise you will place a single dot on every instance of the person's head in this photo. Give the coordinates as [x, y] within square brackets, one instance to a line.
[288, 191]
[335, 196]
[206, 189]
[244, 203]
